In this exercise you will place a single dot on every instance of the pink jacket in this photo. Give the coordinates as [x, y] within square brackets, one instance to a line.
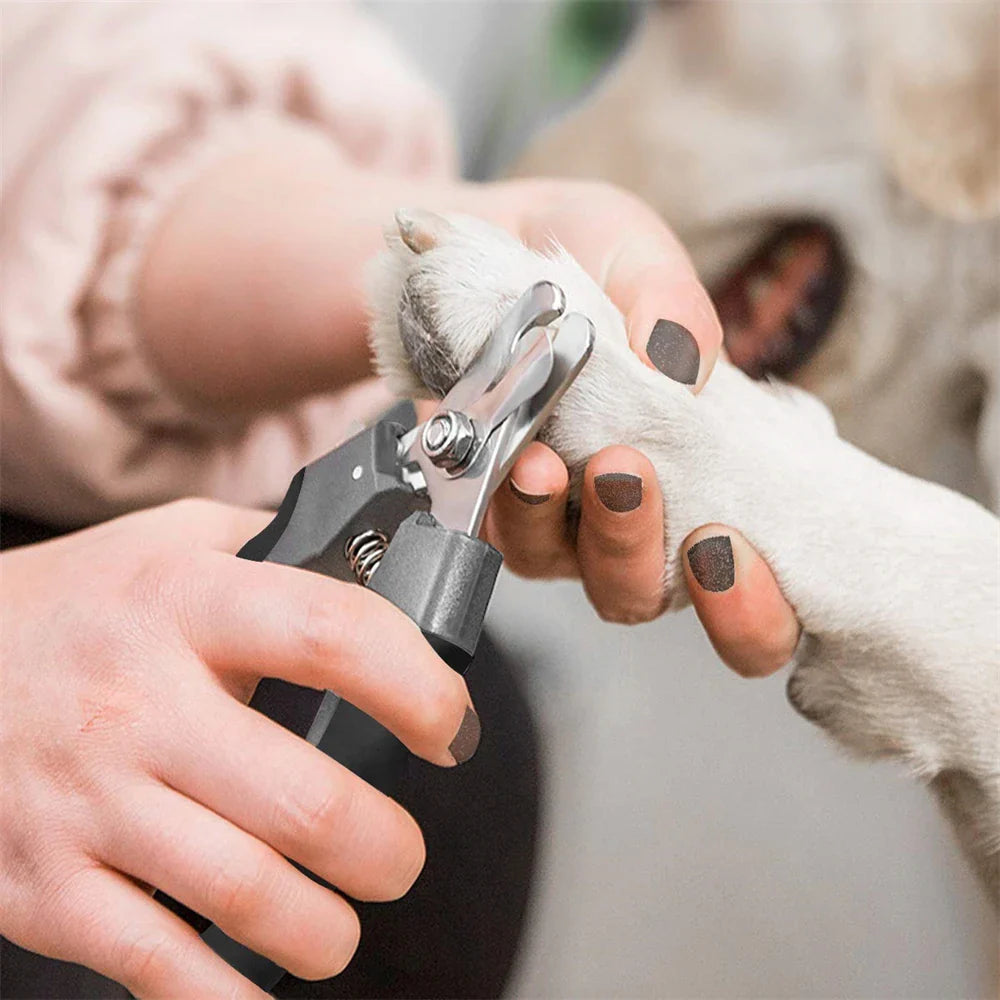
[107, 110]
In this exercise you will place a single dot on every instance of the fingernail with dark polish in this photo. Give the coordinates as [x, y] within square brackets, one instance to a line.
[466, 740]
[534, 499]
[673, 350]
[619, 491]
[711, 562]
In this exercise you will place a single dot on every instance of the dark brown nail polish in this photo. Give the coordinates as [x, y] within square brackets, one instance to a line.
[711, 562]
[466, 740]
[619, 491]
[534, 499]
[674, 351]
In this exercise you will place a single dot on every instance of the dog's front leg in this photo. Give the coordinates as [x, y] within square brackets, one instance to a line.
[894, 580]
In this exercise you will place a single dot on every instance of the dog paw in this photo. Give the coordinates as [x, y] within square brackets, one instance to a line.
[444, 284]
[894, 580]
[888, 663]
[439, 291]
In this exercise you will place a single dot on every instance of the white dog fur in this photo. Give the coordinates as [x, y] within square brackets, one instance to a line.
[894, 579]
[879, 118]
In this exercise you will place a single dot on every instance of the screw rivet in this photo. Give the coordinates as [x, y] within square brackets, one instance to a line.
[448, 438]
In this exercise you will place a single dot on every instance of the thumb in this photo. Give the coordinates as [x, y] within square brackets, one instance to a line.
[751, 625]
[626, 247]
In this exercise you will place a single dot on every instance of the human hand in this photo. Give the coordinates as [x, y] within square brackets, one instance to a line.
[618, 551]
[131, 762]
[286, 234]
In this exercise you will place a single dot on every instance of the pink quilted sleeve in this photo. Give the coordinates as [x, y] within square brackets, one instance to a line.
[108, 110]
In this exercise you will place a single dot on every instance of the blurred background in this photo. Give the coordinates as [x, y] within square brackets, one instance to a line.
[508, 68]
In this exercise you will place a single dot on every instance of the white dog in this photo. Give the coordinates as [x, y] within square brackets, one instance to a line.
[881, 119]
[895, 580]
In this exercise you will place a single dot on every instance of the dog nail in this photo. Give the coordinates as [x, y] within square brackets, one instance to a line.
[533, 499]
[419, 230]
[711, 562]
[466, 740]
[674, 351]
[619, 491]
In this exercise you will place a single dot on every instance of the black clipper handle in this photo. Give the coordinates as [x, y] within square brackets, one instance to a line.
[442, 579]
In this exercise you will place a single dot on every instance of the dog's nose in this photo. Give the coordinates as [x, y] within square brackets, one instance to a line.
[777, 305]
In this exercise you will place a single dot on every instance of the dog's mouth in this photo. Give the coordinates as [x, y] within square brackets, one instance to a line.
[779, 303]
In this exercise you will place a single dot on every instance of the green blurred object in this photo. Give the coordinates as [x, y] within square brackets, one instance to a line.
[585, 35]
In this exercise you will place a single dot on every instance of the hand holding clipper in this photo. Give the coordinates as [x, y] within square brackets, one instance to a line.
[398, 508]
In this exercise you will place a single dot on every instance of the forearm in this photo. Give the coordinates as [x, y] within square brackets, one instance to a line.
[251, 293]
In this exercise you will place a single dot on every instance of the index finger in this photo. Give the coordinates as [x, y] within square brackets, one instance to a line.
[245, 619]
[625, 246]
[209, 524]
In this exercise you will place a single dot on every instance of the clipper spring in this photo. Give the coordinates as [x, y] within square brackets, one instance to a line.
[364, 552]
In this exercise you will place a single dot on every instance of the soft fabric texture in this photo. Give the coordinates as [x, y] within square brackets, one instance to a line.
[896, 581]
[108, 110]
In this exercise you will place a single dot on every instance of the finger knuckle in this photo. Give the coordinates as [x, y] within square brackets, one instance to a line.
[616, 543]
[111, 659]
[317, 625]
[156, 584]
[238, 891]
[99, 647]
[45, 902]
[147, 961]
[309, 813]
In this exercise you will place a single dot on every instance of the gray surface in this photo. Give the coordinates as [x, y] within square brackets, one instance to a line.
[487, 57]
[700, 839]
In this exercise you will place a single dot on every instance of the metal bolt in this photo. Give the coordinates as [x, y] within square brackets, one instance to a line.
[438, 432]
[448, 439]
